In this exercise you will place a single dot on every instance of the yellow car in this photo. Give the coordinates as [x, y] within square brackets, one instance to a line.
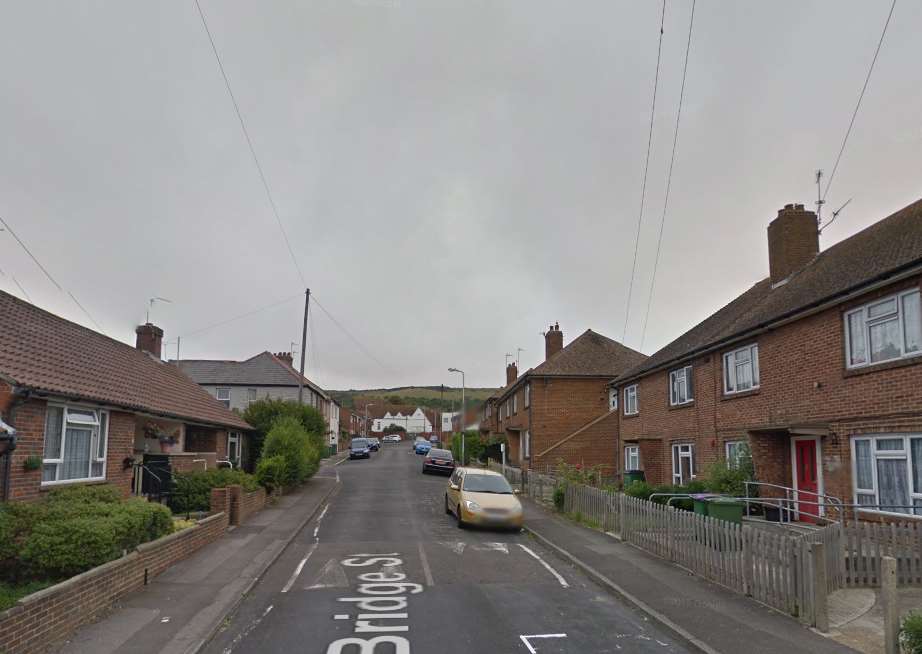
[482, 497]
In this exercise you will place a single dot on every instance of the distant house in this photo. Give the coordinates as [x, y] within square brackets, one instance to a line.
[238, 383]
[414, 420]
[89, 409]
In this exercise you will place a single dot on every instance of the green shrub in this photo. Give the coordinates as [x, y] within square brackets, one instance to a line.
[474, 446]
[639, 489]
[270, 472]
[719, 478]
[560, 494]
[93, 493]
[911, 633]
[192, 490]
[10, 594]
[288, 439]
[263, 415]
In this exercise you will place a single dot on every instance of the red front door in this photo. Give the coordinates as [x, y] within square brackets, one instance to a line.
[807, 483]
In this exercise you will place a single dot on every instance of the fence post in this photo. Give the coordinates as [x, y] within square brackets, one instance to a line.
[621, 519]
[889, 603]
[747, 561]
[821, 612]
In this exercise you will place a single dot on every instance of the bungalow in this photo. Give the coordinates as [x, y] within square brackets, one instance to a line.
[815, 372]
[561, 409]
[89, 409]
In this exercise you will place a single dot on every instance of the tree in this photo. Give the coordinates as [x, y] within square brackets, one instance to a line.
[263, 414]
[394, 429]
[289, 441]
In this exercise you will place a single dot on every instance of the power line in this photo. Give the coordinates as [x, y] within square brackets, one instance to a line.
[47, 274]
[860, 98]
[349, 334]
[21, 289]
[242, 315]
[675, 140]
[643, 188]
[246, 134]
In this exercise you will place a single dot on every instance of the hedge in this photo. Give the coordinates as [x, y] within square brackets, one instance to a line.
[192, 490]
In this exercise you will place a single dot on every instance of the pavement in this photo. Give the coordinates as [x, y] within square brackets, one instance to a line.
[707, 616]
[856, 616]
[382, 568]
[181, 609]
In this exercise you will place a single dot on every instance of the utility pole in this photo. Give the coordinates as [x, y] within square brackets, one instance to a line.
[307, 303]
[178, 339]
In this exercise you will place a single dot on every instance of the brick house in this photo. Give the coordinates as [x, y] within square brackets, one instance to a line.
[561, 408]
[814, 372]
[86, 407]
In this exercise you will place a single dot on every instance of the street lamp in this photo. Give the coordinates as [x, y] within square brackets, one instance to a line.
[365, 428]
[461, 421]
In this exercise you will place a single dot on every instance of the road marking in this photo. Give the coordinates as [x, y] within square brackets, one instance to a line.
[563, 582]
[457, 547]
[530, 647]
[427, 571]
[300, 567]
[319, 518]
[332, 575]
[492, 547]
[342, 460]
[341, 616]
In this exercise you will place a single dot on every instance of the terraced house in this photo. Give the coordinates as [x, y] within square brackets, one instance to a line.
[815, 372]
[562, 409]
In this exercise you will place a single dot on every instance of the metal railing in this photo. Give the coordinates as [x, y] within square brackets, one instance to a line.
[795, 503]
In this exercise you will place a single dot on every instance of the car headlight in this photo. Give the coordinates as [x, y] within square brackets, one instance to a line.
[471, 505]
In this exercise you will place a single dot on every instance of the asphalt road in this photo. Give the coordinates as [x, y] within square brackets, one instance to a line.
[384, 561]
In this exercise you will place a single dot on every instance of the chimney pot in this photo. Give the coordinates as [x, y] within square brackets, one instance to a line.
[793, 241]
[553, 341]
[286, 357]
[149, 339]
[512, 373]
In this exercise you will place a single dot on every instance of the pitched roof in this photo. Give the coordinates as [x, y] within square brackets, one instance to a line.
[264, 369]
[46, 353]
[588, 355]
[874, 254]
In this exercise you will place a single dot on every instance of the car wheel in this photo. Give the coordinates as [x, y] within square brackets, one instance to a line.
[460, 521]
[447, 508]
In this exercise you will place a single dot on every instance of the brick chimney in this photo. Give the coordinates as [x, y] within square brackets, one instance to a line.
[512, 373]
[553, 341]
[150, 339]
[793, 241]
[286, 357]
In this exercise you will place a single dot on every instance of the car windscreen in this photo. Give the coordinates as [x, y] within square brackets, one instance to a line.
[487, 484]
[440, 454]
[359, 443]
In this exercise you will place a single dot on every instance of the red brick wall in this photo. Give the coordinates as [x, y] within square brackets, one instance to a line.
[803, 381]
[45, 618]
[593, 446]
[243, 504]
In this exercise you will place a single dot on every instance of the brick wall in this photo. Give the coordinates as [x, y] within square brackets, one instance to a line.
[49, 616]
[243, 504]
[803, 382]
[593, 445]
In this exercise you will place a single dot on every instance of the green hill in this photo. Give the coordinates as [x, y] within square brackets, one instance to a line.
[431, 397]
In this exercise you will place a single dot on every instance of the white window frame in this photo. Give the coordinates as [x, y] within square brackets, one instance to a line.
[526, 444]
[905, 453]
[99, 431]
[683, 453]
[252, 395]
[734, 459]
[867, 323]
[631, 401]
[613, 399]
[527, 395]
[233, 437]
[631, 453]
[515, 403]
[729, 359]
[680, 378]
[222, 400]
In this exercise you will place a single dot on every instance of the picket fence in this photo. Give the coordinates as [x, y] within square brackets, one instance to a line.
[864, 544]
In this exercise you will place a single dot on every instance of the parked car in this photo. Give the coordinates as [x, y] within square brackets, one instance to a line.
[374, 444]
[482, 497]
[434, 440]
[391, 438]
[359, 449]
[438, 460]
[422, 447]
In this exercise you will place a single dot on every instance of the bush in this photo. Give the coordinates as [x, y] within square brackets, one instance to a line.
[264, 414]
[192, 490]
[474, 446]
[270, 472]
[719, 478]
[639, 489]
[100, 493]
[560, 494]
[911, 633]
[288, 439]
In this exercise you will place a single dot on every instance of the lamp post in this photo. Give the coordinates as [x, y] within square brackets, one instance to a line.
[461, 420]
[365, 428]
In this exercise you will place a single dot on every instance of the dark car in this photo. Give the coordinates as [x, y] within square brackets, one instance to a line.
[359, 449]
[438, 460]
[374, 444]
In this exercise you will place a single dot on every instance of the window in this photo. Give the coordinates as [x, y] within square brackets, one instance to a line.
[630, 400]
[526, 444]
[251, 395]
[75, 444]
[887, 472]
[885, 330]
[223, 395]
[527, 395]
[233, 446]
[680, 386]
[741, 369]
[632, 457]
[737, 453]
[683, 466]
[515, 403]
[612, 399]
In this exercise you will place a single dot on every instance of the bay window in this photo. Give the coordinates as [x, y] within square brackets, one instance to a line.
[680, 386]
[75, 444]
[741, 369]
[887, 472]
[884, 330]
[683, 463]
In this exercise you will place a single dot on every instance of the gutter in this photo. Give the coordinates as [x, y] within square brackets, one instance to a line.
[789, 317]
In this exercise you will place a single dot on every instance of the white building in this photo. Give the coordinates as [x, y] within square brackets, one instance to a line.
[415, 423]
[446, 421]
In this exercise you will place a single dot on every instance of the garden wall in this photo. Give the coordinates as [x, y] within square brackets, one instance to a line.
[41, 619]
[238, 503]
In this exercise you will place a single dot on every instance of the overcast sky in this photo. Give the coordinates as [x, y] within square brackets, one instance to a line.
[453, 176]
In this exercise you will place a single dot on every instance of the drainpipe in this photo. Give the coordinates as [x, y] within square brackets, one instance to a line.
[19, 397]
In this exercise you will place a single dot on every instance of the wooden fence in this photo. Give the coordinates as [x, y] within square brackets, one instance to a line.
[864, 544]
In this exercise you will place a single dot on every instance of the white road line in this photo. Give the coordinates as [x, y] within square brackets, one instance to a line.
[317, 528]
[531, 649]
[563, 582]
[300, 567]
[427, 571]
